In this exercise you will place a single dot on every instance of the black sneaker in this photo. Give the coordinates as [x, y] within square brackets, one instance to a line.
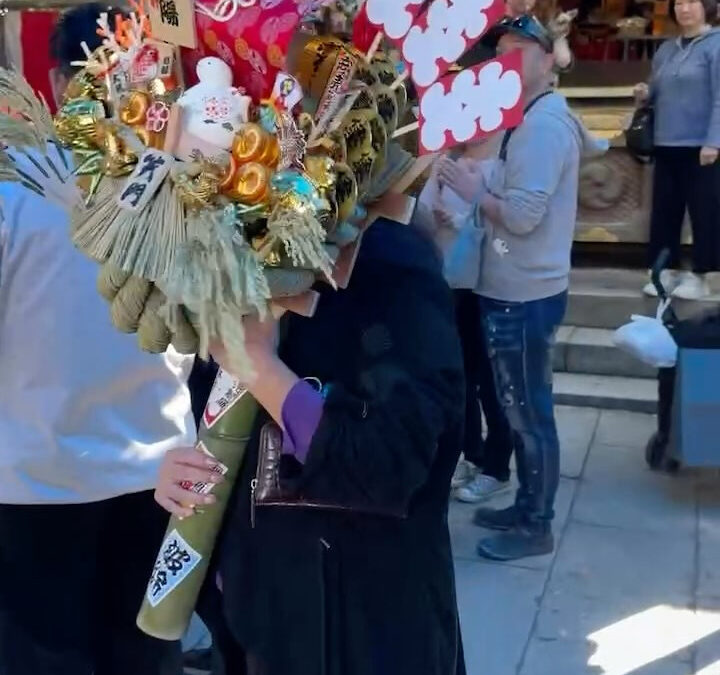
[517, 544]
[492, 519]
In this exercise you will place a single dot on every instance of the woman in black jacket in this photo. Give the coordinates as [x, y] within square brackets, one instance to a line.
[369, 589]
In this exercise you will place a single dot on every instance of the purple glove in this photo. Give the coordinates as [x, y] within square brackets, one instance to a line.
[301, 414]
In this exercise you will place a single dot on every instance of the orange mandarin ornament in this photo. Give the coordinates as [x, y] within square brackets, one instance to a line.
[253, 144]
[228, 180]
[252, 184]
[271, 155]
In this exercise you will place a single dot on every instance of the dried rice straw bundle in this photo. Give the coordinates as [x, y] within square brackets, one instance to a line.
[150, 238]
[219, 279]
[298, 229]
[95, 227]
[35, 160]
[18, 96]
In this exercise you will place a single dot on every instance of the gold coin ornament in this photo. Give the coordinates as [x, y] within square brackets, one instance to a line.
[339, 145]
[379, 142]
[208, 204]
[357, 133]
[134, 109]
[76, 123]
[365, 107]
[386, 71]
[365, 73]
[198, 183]
[316, 64]
[387, 107]
[362, 166]
[321, 169]
[118, 159]
[365, 100]
[333, 145]
[200, 189]
[346, 191]
[384, 68]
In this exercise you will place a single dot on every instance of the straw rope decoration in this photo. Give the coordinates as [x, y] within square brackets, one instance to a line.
[202, 207]
[217, 233]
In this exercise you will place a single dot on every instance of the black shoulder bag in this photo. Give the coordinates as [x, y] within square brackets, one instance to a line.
[640, 135]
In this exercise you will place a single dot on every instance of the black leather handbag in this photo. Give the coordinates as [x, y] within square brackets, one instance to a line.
[640, 135]
[269, 490]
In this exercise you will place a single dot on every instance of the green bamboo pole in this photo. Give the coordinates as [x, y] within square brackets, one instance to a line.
[182, 562]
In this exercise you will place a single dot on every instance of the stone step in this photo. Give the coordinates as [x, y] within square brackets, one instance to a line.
[604, 391]
[606, 298]
[591, 351]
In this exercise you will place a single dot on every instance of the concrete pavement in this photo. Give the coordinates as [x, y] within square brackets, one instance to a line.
[634, 585]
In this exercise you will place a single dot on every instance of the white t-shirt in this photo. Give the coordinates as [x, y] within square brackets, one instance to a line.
[85, 415]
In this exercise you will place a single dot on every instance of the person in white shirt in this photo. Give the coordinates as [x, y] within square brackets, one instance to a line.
[85, 420]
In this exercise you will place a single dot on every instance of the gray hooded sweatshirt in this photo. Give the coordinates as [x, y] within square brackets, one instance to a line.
[526, 257]
[685, 91]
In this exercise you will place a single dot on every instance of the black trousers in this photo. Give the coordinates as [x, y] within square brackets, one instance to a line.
[493, 453]
[681, 184]
[72, 580]
[229, 656]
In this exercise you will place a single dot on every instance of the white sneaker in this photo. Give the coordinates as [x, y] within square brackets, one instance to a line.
[668, 278]
[692, 287]
[481, 489]
[465, 472]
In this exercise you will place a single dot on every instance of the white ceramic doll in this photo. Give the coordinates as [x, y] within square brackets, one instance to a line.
[213, 110]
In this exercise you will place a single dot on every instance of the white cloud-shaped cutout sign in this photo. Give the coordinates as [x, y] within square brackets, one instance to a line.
[452, 26]
[393, 17]
[474, 105]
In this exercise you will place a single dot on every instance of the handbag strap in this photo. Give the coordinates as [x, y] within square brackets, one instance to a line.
[508, 134]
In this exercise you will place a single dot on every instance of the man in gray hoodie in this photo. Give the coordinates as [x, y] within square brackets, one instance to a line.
[529, 208]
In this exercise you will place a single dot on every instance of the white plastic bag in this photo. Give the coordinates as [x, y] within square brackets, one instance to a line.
[647, 339]
[462, 258]
[460, 244]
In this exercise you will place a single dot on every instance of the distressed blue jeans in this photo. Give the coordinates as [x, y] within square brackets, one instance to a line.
[521, 338]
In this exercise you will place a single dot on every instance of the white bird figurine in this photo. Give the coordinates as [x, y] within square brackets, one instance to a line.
[214, 110]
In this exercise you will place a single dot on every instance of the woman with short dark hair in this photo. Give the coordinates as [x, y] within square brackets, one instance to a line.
[684, 91]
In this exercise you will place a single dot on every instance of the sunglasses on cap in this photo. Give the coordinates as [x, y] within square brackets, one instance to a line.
[525, 26]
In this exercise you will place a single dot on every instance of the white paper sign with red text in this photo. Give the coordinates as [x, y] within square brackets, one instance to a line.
[226, 391]
[471, 105]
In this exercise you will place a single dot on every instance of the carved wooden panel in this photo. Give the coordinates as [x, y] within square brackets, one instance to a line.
[614, 199]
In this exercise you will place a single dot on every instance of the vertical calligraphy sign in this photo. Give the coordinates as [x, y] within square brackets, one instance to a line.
[173, 21]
